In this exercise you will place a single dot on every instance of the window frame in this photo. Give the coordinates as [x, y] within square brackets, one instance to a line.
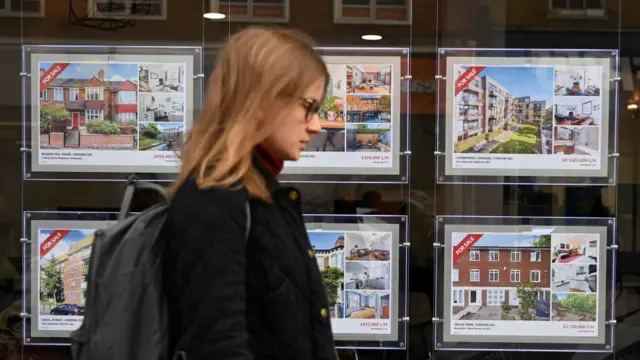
[532, 256]
[58, 90]
[518, 253]
[578, 13]
[472, 271]
[495, 272]
[93, 13]
[539, 276]
[494, 251]
[100, 93]
[132, 93]
[515, 272]
[338, 19]
[73, 91]
[94, 112]
[7, 12]
[214, 7]
[474, 251]
[455, 275]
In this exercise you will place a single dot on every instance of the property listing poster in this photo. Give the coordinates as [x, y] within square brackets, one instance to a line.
[119, 114]
[514, 285]
[59, 265]
[359, 268]
[527, 116]
[360, 120]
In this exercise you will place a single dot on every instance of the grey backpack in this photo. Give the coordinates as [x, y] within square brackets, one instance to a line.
[126, 314]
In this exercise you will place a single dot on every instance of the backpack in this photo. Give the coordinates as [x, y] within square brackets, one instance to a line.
[126, 315]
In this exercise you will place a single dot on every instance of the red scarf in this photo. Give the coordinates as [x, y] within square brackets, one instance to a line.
[274, 165]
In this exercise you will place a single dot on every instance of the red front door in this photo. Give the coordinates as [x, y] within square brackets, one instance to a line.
[75, 120]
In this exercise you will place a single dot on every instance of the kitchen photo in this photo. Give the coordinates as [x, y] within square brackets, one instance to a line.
[576, 140]
[569, 278]
[367, 275]
[162, 107]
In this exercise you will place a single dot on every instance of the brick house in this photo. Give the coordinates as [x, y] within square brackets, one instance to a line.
[489, 275]
[75, 269]
[93, 99]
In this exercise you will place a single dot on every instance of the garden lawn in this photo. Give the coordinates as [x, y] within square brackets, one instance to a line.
[465, 144]
[144, 143]
[523, 141]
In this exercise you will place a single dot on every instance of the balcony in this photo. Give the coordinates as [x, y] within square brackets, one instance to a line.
[84, 285]
[492, 93]
[85, 270]
[469, 116]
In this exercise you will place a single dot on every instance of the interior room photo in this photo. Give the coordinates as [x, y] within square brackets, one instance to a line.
[575, 278]
[367, 275]
[578, 113]
[576, 140]
[578, 80]
[368, 246]
[367, 304]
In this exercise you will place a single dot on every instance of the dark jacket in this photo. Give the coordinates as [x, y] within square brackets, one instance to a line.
[229, 300]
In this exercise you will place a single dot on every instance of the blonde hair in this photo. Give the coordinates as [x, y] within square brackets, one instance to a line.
[257, 67]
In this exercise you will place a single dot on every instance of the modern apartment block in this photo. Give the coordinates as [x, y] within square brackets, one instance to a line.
[486, 106]
[76, 268]
[528, 110]
[487, 276]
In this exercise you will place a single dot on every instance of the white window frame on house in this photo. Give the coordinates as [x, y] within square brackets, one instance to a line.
[578, 13]
[491, 255]
[338, 19]
[73, 282]
[58, 94]
[536, 256]
[131, 116]
[130, 98]
[7, 12]
[514, 276]
[73, 269]
[531, 276]
[455, 275]
[473, 272]
[93, 11]
[74, 94]
[91, 114]
[494, 275]
[43, 94]
[516, 255]
[249, 18]
[91, 91]
[474, 255]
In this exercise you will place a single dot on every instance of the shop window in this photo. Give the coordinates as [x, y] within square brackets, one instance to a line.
[373, 11]
[577, 8]
[127, 9]
[275, 11]
[29, 8]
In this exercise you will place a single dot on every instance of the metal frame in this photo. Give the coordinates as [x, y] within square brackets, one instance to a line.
[520, 176]
[445, 340]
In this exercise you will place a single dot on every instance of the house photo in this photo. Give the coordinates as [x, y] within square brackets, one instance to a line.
[572, 140]
[161, 136]
[328, 247]
[367, 304]
[89, 106]
[162, 78]
[577, 111]
[575, 248]
[581, 278]
[360, 275]
[369, 79]
[368, 137]
[502, 110]
[492, 271]
[578, 80]
[369, 109]
[368, 246]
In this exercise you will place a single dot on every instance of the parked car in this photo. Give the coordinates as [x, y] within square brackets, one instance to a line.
[542, 308]
[67, 309]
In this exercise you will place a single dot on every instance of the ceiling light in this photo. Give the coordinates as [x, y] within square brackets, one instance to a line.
[214, 16]
[632, 107]
[371, 37]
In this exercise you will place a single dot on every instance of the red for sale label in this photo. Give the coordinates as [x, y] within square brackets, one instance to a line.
[51, 241]
[51, 74]
[467, 76]
[464, 246]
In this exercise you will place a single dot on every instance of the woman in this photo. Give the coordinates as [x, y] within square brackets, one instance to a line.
[261, 297]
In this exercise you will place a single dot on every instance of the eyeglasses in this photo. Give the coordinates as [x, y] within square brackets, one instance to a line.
[312, 107]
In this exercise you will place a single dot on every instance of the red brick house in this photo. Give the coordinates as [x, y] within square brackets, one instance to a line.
[75, 269]
[93, 99]
[489, 275]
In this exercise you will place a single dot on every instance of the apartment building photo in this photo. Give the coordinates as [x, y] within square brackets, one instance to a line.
[489, 274]
[76, 268]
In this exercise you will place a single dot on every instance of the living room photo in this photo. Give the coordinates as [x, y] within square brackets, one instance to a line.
[577, 111]
[368, 246]
[578, 80]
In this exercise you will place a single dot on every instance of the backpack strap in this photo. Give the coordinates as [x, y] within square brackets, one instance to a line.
[248, 225]
[132, 186]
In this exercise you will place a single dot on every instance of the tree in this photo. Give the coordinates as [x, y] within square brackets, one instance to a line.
[332, 278]
[52, 285]
[50, 113]
[580, 304]
[543, 241]
[384, 103]
[150, 131]
[527, 294]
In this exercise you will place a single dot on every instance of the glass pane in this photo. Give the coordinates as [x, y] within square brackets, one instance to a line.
[392, 2]
[28, 6]
[356, 2]
[559, 4]
[576, 4]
